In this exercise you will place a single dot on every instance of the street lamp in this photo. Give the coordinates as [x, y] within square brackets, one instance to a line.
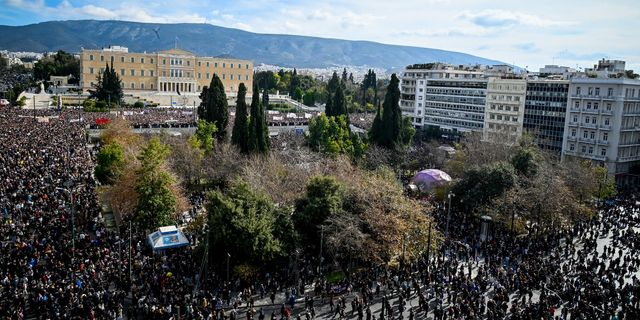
[449, 196]
[73, 221]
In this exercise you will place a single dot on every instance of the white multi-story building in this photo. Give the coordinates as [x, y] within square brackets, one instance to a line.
[451, 98]
[504, 110]
[603, 125]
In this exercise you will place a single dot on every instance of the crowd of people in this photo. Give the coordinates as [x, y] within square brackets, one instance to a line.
[58, 260]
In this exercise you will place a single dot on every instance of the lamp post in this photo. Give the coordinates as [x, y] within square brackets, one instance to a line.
[73, 221]
[228, 256]
[449, 196]
[321, 241]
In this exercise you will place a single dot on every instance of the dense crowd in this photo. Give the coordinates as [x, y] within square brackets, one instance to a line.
[59, 261]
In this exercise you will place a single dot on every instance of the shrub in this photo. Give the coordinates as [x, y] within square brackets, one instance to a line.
[138, 104]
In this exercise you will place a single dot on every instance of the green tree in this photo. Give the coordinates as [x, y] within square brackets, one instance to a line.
[242, 223]
[479, 185]
[59, 64]
[294, 83]
[204, 138]
[108, 87]
[339, 103]
[258, 130]
[214, 108]
[240, 133]
[297, 94]
[389, 129]
[332, 135]
[525, 161]
[157, 202]
[309, 97]
[324, 198]
[4, 64]
[109, 162]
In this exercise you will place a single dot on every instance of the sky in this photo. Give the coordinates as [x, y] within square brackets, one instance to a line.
[574, 33]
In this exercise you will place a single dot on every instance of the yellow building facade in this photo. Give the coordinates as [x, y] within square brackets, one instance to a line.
[170, 71]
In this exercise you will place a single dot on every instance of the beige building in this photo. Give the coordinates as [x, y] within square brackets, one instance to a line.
[504, 110]
[165, 72]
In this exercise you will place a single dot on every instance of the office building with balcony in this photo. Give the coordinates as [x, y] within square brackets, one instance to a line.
[164, 73]
[504, 110]
[603, 125]
[444, 96]
[545, 112]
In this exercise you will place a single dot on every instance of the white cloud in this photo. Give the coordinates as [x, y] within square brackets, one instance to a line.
[503, 18]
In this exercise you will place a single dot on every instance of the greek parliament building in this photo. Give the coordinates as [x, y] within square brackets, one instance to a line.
[164, 73]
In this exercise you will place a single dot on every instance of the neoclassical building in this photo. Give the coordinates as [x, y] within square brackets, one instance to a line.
[171, 71]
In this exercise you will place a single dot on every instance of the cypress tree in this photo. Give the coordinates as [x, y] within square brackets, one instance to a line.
[328, 109]
[214, 108]
[265, 99]
[258, 130]
[389, 130]
[240, 134]
[339, 103]
[204, 101]
[376, 127]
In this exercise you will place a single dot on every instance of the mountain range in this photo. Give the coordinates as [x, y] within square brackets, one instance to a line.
[209, 40]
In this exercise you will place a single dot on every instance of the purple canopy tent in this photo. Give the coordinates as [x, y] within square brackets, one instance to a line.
[430, 178]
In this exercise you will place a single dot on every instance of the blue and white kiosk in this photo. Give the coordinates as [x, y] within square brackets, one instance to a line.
[167, 238]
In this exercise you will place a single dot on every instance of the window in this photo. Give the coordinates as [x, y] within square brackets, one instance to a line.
[141, 60]
[608, 106]
[102, 58]
[592, 135]
[603, 152]
[594, 120]
[246, 77]
[588, 105]
[606, 121]
[573, 132]
[133, 60]
[595, 106]
[208, 64]
[91, 70]
[231, 77]
[590, 91]
[597, 91]
[586, 119]
[609, 92]
[152, 86]
[584, 149]
[199, 75]
[151, 73]
[572, 147]
[215, 65]
[164, 61]
[224, 76]
[516, 109]
[247, 67]
[164, 73]
[142, 73]
[188, 62]
[199, 64]
[577, 91]
[122, 59]
[605, 136]
[577, 105]
[224, 64]
[133, 85]
[585, 134]
[231, 66]
[122, 72]
[590, 150]
[152, 83]
[207, 75]
[492, 116]
[133, 72]
[142, 86]
[90, 57]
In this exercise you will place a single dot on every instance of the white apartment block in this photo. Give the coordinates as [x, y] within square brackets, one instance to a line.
[603, 124]
[448, 97]
[504, 110]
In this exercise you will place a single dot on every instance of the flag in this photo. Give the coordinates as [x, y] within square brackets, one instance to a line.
[178, 90]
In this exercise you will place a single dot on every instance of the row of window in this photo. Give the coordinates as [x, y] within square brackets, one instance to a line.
[122, 59]
[586, 134]
[591, 91]
[505, 108]
[590, 120]
[174, 73]
[173, 62]
[453, 122]
[588, 150]
[503, 127]
[132, 85]
[494, 116]
[589, 105]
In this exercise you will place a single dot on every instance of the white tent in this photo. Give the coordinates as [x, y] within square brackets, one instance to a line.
[167, 238]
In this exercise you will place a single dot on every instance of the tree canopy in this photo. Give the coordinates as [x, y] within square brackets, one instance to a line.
[240, 133]
[108, 87]
[214, 107]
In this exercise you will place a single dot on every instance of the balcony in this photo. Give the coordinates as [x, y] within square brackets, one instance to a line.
[573, 124]
[603, 142]
[604, 127]
[587, 140]
[606, 112]
[589, 125]
[629, 144]
[590, 111]
[571, 138]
